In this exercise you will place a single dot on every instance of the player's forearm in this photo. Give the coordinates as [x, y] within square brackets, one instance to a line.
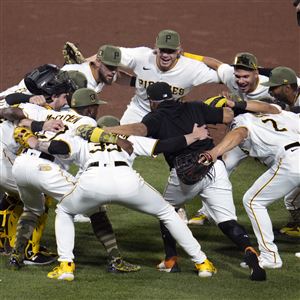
[17, 98]
[125, 78]
[231, 140]
[51, 147]
[209, 61]
[263, 107]
[12, 114]
[138, 129]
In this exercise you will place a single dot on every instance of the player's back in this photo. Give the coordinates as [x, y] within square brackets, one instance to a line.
[270, 133]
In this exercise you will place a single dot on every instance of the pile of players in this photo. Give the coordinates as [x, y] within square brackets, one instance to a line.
[54, 125]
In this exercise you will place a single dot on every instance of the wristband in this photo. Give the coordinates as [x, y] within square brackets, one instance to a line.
[37, 126]
[96, 134]
[240, 105]
[99, 136]
[108, 138]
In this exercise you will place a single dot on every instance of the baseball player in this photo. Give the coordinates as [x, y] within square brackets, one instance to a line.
[10, 206]
[264, 135]
[103, 167]
[47, 176]
[170, 118]
[166, 63]
[283, 85]
[100, 71]
[243, 79]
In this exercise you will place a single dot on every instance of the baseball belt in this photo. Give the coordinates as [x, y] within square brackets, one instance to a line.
[116, 164]
[39, 154]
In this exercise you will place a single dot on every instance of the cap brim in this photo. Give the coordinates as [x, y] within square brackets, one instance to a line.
[167, 47]
[243, 67]
[109, 63]
[100, 102]
[269, 83]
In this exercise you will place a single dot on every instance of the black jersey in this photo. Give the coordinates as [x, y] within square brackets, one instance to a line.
[173, 118]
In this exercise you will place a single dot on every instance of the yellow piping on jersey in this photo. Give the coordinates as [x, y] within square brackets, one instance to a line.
[67, 194]
[66, 177]
[193, 56]
[253, 199]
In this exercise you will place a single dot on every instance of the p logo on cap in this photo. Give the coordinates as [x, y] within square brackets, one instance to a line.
[168, 39]
[109, 55]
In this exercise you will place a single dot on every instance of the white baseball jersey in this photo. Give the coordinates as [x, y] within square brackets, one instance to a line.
[86, 70]
[19, 88]
[9, 148]
[34, 173]
[109, 178]
[226, 75]
[268, 134]
[108, 153]
[186, 74]
[276, 136]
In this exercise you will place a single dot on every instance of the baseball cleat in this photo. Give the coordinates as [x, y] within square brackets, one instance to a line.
[182, 214]
[81, 219]
[251, 260]
[206, 269]
[291, 230]
[40, 259]
[15, 261]
[119, 265]
[198, 219]
[65, 271]
[297, 254]
[169, 265]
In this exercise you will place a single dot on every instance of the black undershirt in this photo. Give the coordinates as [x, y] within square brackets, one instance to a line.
[172, 119]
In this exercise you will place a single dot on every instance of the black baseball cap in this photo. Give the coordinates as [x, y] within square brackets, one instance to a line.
[159, 91]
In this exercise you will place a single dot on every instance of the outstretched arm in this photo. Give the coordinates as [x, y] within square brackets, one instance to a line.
[256, 106]
[209, 61]
[178, 143]
[12, 114]
[231, 140]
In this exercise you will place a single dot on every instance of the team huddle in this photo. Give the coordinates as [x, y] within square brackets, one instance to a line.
[48, 122]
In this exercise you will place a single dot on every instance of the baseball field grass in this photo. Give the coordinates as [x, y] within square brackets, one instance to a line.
[140, 242]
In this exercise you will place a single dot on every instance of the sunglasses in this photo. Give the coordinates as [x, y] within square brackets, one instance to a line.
[168, 51]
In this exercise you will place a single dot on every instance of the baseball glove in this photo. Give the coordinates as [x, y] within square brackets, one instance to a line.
[71, 54]
[189, 170]
[21, 136]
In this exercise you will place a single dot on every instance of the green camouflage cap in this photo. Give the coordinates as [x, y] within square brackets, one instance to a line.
[281, 76]
[168, 39]
[108, 121]
[245, 60]
[85, 97]
[78, 78]
[109, 55]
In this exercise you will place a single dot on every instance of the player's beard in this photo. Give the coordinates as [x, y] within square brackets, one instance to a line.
[104, 79]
